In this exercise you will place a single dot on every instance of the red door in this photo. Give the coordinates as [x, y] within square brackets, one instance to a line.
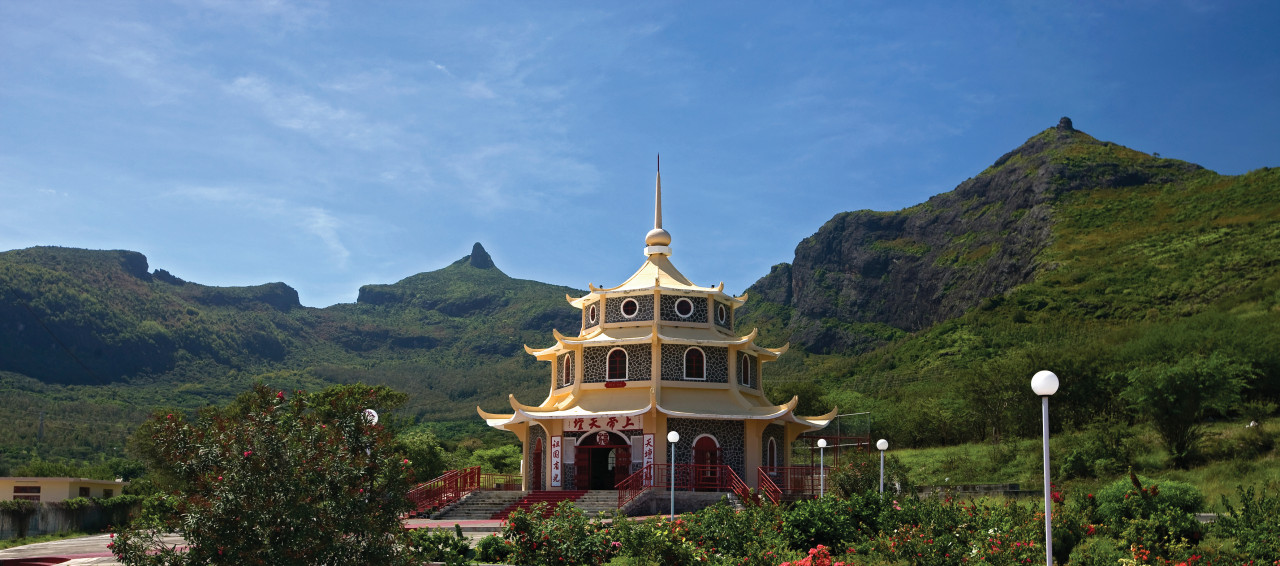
[582, 467]
[621, 464]
[706, 459]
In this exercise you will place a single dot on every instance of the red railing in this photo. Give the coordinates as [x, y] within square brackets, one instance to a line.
[687, 477]
[454, 484]
[794, 481]
[770, 489]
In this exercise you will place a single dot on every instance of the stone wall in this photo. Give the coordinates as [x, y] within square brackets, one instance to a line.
[716, 360]
[595, 362]
[535, 432]
[613, 309]
[730, 435]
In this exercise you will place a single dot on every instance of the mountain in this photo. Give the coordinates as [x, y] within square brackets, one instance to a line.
[1068, 253]
[867, 277]
[91, 340]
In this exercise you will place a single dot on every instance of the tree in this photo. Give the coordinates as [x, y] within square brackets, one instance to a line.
[424, 451]
[1177, 397]
[274, 478]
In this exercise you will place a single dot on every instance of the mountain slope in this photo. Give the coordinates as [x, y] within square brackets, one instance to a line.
[867, 277]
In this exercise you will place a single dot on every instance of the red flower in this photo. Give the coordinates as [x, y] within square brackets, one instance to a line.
[247, 453]
[280, 395]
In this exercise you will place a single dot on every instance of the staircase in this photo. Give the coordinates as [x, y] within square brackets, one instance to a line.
[551, 498]
[598, 501]
[480, 505]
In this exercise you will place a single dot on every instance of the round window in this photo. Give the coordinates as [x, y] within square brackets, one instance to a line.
[684, 308]
[630, 307]
[592, 314]
[721, 313]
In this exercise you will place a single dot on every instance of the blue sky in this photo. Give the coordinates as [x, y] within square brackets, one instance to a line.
[334, 144]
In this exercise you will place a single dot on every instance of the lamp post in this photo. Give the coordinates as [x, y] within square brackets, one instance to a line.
[883, 445]
[822, 466]
[1045, 383]
[672, 438]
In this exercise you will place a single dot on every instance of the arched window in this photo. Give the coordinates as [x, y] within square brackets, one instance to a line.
[566, 369]
[771, 455]
[694, 364]
[745, 369]
[617, 364]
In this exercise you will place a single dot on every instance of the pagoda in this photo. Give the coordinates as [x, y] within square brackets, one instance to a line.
[655, 354]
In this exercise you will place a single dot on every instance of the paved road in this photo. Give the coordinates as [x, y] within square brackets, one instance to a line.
[93, 549]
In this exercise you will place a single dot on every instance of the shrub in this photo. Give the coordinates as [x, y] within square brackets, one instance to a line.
[566, 537]
[1157, 517]
[1255, 526]
[753, 536]
[441, 545]
[831, 521]
[274, 479]
[655, 541]
[862, 475]
[492, 549]
[1099, 551]
[1177, 397]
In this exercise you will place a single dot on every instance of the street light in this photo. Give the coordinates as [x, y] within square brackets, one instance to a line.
[672, 438]
[1045, 383]
[883, 445]
[822, 466]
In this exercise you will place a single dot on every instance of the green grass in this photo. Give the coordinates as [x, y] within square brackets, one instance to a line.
[1020, 461]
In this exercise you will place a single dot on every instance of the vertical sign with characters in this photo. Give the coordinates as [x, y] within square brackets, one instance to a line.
[555, 460]
[648, 459]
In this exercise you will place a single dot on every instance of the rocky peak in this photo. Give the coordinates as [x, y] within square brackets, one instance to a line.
[479, 258]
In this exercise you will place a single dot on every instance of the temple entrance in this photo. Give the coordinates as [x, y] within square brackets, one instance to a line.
[601, 460]
[706, 461]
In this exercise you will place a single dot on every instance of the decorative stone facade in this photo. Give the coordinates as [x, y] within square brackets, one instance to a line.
[774, 432]
[716, 360]
[728, 433]
[536, 432]
[595, 363]
[560, 360]
[644, 309]
[699, 313]
[728, 316]
[587, 323]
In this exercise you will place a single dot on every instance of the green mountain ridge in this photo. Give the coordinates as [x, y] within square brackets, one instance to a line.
[1068, 253]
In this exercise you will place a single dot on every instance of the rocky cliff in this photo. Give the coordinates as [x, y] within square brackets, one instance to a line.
[866, 277]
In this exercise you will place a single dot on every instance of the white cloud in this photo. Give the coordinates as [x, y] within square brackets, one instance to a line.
[314, 220]
[304, 113]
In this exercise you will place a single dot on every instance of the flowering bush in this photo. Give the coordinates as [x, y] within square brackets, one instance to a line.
[748, 537]
[567, 537]
[656, 541]
[274, 479]
[440, 545]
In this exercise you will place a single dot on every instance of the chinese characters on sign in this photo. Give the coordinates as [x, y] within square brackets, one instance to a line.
[603, 423]
[648, 459]
[555, 461]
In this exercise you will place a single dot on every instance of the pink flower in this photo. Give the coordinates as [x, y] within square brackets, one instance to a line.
[406, 460]
[247, 453]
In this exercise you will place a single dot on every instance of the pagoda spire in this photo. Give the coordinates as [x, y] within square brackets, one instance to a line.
[658, 240]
